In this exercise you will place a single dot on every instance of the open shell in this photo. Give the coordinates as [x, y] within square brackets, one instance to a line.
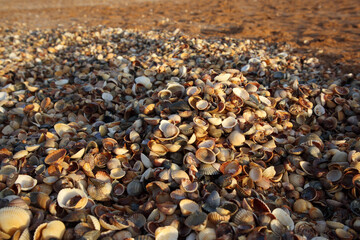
[205, 155]
[72, 198]
[26, 182]
[52, 230]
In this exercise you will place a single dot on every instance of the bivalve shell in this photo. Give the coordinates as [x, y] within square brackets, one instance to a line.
[13, 219]
[72, 198]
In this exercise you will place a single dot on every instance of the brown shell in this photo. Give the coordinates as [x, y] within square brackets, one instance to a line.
[55, 157]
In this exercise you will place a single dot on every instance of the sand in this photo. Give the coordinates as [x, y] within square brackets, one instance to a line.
[329, 30]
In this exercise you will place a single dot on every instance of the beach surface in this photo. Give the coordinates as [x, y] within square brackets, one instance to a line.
[329, 30]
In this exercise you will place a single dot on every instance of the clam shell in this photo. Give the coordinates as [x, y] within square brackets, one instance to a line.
[334, 175]
[205, 155]
[178, 175]
[13, 219]
[207, 234]
[188, 207]
[26, 182]
[208, 169]
[232, 168]
[196, 221]
[255, 174]
[215, 121]
[117, 173]
[244, 217]
[72, 198]
[241, 93]
[52, 230]
[166, 233]
[145, 81]
[62, 129]
[283, 218]
[229, 123]
[169, 130]
[20, 154]
[236, 138]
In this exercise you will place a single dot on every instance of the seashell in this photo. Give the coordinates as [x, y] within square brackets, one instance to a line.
[283, 218]
[201, 123]
[208, 170]
[157, 148]
[343, 234]
[72, 198]
[117, 173]
[145, 81]
[188, 207]
[188, 186]
[20, 154]
[56, 157]
[241, 93]
[269, 172]
[205, 155]
[13, 219]
[236, 138]
[78, 154]
[134, 188]
[277, 227]
[107, 97]
[319, 110]
[355, 207]
[166, 233]
[196, 221]
[176, 89]
[214, 121]
[228, 124]
[306, 229]
[202, 105]
[207, 234]
[334, 175]
[26, 182]
[301, 206]
[164, 94]
[178, 175]
[232, 168]
[52, 230]
[255, 174]
[112, 221]
[341, 90]
[169, 130]
[339, 157]
[212, 201]
[62, 129]
[244, 217]
[315, 213]
[216, 217]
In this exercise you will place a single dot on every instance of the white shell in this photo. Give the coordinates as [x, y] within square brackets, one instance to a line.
[145, 81]
[26, 182]
[283, 218]
[107, 97]
[68, 193]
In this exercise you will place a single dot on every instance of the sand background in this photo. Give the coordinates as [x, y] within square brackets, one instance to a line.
[329, 30]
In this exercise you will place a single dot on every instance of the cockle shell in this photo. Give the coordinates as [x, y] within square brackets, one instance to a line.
[72, 198]
[166, 233]
[26, 182]
[52, 230]
[283, 218]
[13, 219]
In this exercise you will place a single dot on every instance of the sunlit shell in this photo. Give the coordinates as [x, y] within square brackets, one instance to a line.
[215, 121]
[177, 89]
[201, 123]
[178, 175]
[255, 174]
[145, 81]
[205, 155]
[229, 123]
[277, 227]
[208, 169]
[168, 129]
[319, 110]
[236, 138]
[232, 168]
[216, 217]
[55, 157]
[302, 206]
[241, 93]
[190, 91]
[164, 94]
[202, 105]
[13, 219]
[111, 221]
[117, 173]
[62, 129]
[166, 233]
[196, 221]
[20, 154]
[26, 182]
[72, 198]
[269, 172]
[188, 207]
[52, 230]
[188, 186]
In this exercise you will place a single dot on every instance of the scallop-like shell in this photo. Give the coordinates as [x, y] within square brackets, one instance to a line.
[72, 198]
[134, 188]
[236, 138]
[205, 155]
[55, 157]
[188, 207]
[188, 186]
[13, 219]
[216, 217]
[52, 230]
[111, 221]
[196, 221]
[244, 217]
[26, 182]
[283, 218]
[166, 233]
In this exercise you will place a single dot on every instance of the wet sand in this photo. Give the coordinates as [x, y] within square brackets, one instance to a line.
[329, 30]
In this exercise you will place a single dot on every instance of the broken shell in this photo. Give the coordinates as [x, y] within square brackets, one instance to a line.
[117, 173]
[72, 198]
[232, 168]
[55, 157]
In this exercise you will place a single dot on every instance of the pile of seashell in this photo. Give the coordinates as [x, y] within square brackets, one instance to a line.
[113, 134]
